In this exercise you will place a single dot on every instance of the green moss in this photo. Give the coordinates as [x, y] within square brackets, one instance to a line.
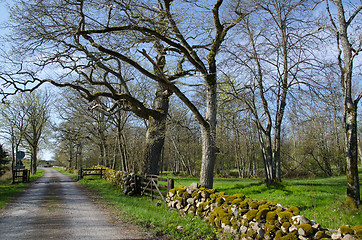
[358, 231]
[294, 210]
[346, 230]
[261, 215]
[220, 201]
[195, 195]
[235, 226]
[271, 217]
[290, 236]
[186, 195]
[242, 212]
[173, 191]
[319, 235]
[263, 206]
[307, 229]
[278, 235]
[226, 220]
[286, 225]
[244, 205]
[180, 190]
[237, 201]
[251, 233]
[230, 198]
[351, 203]
[285, 216]
[245, 222]
[251, 214]
[270, 229]
[212, 219]
[253, 204]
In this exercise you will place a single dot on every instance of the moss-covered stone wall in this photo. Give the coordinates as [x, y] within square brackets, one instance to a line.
[248, 218]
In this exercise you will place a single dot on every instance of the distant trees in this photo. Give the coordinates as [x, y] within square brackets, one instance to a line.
[24, 118]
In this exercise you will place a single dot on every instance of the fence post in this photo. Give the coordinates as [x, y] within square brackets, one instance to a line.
[170, 184]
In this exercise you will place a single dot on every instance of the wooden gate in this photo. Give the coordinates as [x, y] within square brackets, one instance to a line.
[155, 186]
[21, 175]
[90, 171]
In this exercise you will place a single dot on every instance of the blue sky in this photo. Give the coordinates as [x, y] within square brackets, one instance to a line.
[45, 154]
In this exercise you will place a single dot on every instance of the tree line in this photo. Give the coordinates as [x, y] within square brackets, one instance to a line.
[218, 85]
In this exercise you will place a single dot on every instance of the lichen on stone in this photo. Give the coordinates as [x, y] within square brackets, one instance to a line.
[284, 217]
[271, 217]
[251, 214]
[294, 210]
[307, 229]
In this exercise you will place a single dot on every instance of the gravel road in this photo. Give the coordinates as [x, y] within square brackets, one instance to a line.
[55, 207]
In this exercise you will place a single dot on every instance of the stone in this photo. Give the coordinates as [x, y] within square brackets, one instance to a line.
[316, 226]
[299, 219]
[261, 232]
[336, 236]
[268, 237]
[348, 237]
[293, 228]
[190, 201]
[243, 229]
[303, 238]
[194, 186]
[301, 232]
[180, 228]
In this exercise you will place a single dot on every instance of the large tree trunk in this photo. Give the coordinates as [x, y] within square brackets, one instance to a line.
[155, 136]
[208, 135]
[33, 162]
[353, 189]
[350, 110]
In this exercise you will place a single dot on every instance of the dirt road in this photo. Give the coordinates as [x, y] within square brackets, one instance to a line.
[55, 207]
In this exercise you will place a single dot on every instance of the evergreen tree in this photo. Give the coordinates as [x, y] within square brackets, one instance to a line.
[3, 160]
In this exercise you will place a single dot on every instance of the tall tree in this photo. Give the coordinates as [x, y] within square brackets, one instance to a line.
[348, 49]
[37, 109]
[130, 32]
[273, 56]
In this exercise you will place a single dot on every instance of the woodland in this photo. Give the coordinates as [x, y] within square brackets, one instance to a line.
[252, 89]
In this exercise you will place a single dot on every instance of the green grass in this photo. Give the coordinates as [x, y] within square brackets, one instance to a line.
[9, 191]
[318, 199]
[154, 214]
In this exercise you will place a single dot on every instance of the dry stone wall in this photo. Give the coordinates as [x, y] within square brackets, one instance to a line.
[249, 218]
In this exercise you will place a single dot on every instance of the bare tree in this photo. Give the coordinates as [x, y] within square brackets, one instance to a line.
[274, 56]
[27, 116]
[348, 49]
[109, 34]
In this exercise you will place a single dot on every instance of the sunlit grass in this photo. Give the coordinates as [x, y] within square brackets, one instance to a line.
[9, 191]
[320, 199]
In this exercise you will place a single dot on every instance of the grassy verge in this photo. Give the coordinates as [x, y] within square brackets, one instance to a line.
[319, 199]
[153, 214]
[9, 191]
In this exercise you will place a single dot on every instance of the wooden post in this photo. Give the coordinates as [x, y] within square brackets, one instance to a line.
[170, 184]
